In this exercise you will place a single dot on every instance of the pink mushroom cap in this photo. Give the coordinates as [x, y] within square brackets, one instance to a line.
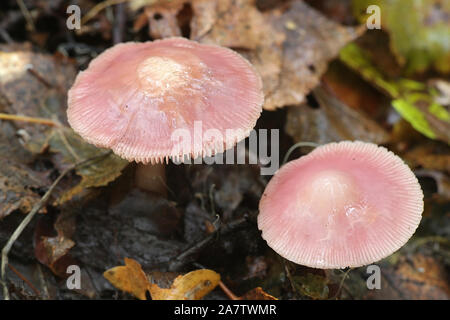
[345, 204]
[134, 96]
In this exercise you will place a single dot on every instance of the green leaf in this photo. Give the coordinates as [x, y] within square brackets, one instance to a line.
[74, 149]
[414, 116]
[413, 100]
[419, 31]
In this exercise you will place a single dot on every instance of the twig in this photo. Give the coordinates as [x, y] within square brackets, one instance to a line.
[295, 146]
[30, 69]
[4, 34]
[99, 7]
[119, 23]
[24, 279]
[15, 117]
[26, 14]
[67, 145]
[288, 275]
[341, 284]
[222, 285]
[228, 292]
[211, 199]
[43, 282]
[183, 258]
[29, 217]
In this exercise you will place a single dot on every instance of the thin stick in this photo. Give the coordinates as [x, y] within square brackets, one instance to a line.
[29, 217]
[184, 257]
[228, 292]
[4, 34]
[341, 284]
[222, 285]
[99, 7]
[15, 117]
[26, 14]
[295, 146]
[36, 74]
[119, 23]
[24, 279]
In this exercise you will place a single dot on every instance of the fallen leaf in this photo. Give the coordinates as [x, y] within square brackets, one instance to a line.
[129, 278]
[18, 182]
[311, 42]
[347, 87]
[419, 277]
[332, 121]
[191, 286]
[430, 156]
[71, 148]
[424, 42]
[53, 250]
[162, 19]
[289, 46]
[413, 100]
[27, 89]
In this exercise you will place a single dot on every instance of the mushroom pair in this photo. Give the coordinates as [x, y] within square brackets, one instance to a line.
[344, 204]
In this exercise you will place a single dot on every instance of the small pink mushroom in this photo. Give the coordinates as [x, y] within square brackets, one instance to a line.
[345, 204]
[134, 96]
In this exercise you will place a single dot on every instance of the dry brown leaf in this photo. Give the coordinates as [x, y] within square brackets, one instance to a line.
[51, 250]
[289, 45]
[162, 19]
[17, 187]
[191, 286]
[418, 277]
[241, 26]
[18, 182]
[311, 42]
[332, 121]
[426, 156]
[33, 84]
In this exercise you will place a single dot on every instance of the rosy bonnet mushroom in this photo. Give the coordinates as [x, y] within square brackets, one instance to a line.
[345, 204]
[134, 96]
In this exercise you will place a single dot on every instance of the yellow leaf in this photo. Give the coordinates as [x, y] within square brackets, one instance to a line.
[130, 278]
[191, 286]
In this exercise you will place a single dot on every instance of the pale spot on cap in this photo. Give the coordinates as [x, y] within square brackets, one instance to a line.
[134, 96]
[157, 75]
[344, 204]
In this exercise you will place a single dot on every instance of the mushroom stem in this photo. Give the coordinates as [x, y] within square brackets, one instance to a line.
[152, 178]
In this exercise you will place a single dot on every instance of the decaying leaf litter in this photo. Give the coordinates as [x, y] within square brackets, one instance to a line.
[326, 78]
